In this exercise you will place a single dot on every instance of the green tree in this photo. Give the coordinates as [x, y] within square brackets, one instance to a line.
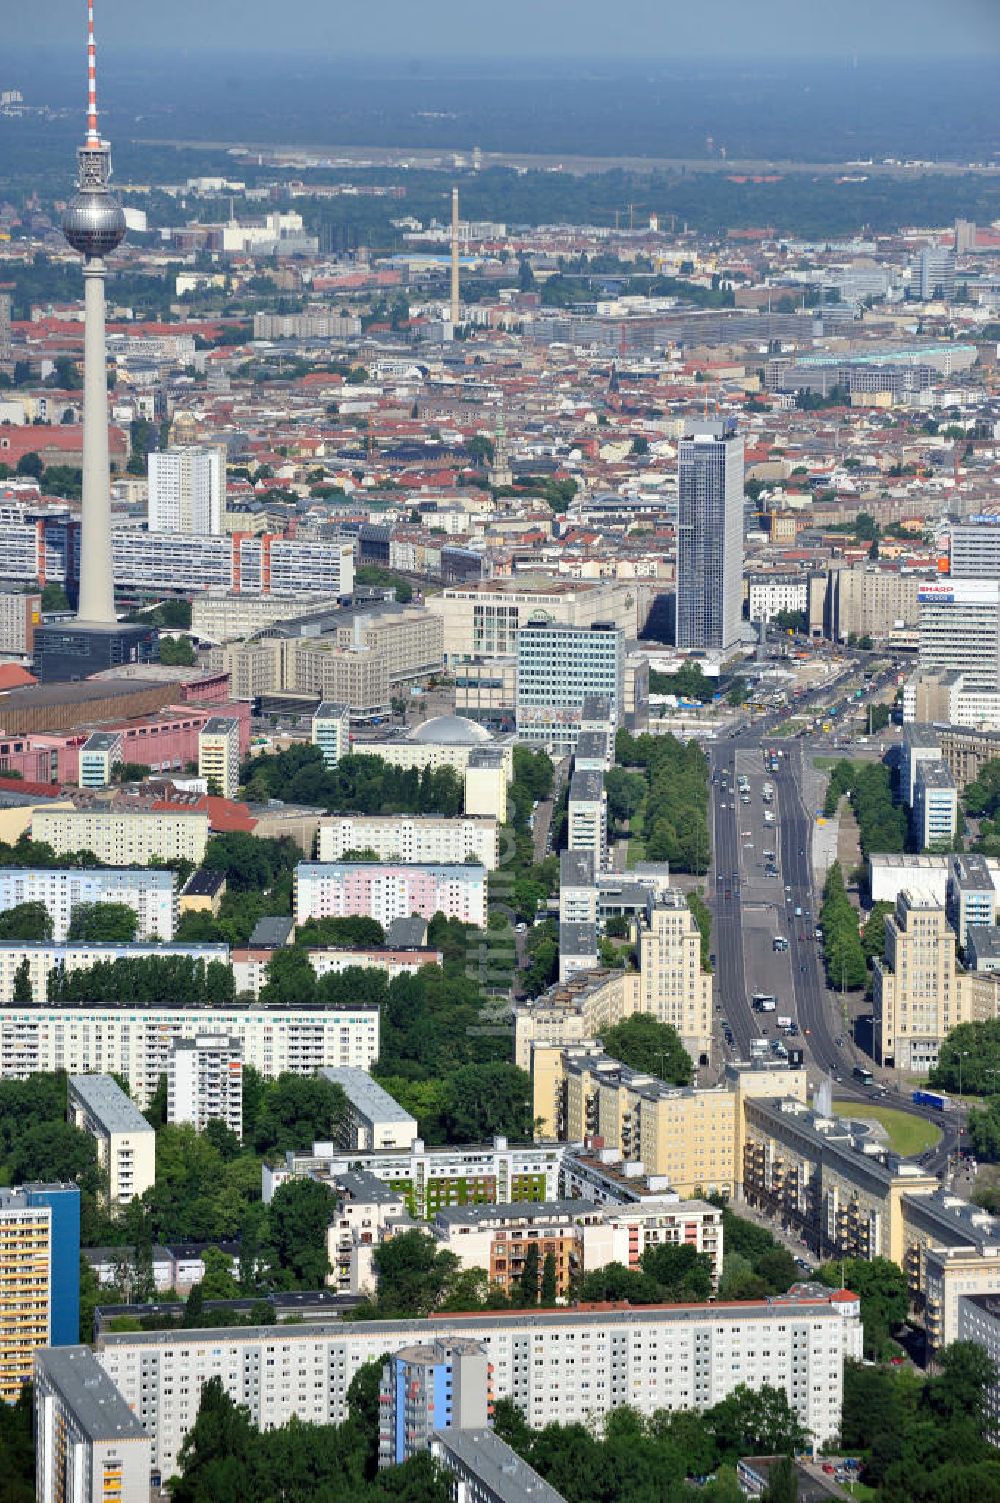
[483, 1101]
[755, 1422]
[300, 1213]
[881, 1286]
[529, 1277]
[218, 1281]
[22, 991]
[177, 652]
[549, 1285]
[103, 923]
[26, 921]
[54, 598]
[296, 1111]
[644, 1043]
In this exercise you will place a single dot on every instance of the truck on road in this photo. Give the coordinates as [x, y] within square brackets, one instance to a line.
[937, 1099]
[764, 1002]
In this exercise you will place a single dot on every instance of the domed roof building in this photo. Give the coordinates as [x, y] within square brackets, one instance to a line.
[450, 730]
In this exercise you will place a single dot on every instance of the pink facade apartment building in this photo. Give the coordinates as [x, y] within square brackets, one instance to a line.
[387, 891]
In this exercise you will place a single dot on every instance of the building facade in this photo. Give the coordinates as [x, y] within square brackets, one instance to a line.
[187, 489]
[205, 1081]
[120, 837]
[219, 755]
[710, 537]
[89, 1446]
[421, 838]
[135, 1042]
[568, 1366]
[558, 667]
[150, 893]
[388, 891]
[960, 630]
[126, 1144]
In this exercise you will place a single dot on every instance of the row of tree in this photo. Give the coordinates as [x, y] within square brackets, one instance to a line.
[881, 821]
[359, 783]
[843, 952]
[676, 817]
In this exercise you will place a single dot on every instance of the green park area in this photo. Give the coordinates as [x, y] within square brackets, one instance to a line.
[908, 1134]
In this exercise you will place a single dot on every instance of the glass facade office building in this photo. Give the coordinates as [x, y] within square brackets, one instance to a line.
[710, 537]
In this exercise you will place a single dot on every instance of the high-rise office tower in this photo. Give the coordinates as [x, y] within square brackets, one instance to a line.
[187, 489]
[960, 630]
[6, 349]
[934, 274]
[456, 306]
[710, 536]
[94, 225]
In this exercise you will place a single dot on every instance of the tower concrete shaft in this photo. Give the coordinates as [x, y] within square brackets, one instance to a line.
[97, 596]
[456, 307]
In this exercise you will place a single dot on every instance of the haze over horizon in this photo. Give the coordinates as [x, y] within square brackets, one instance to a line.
[652, 31]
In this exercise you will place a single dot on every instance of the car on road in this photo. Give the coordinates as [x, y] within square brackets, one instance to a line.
[798, 911]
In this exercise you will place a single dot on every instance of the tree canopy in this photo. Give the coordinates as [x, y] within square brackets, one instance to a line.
[644, 1043]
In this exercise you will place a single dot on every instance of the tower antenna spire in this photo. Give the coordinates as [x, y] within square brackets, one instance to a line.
[93, 136]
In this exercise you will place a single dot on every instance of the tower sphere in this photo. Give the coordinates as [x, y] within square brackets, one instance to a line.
[94, 223]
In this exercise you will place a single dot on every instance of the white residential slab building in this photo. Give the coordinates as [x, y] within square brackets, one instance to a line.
[426, 838]
[126, 1144]
[151, 893]
[387, 891]
[124, 837]
[205, 1081]
[570, 1366]
[135, 1041]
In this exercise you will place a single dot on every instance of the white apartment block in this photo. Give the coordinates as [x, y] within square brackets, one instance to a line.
[135, 1042]
[330, 730]
[374, 1120]
[427, 838]
[44, 956]
[126, 1144]
[219, 754]
[228, 616]
[123, 837]
[482, 621]
[384, 891]
[434, 1177]
[563, 1366]
[588, 816]
[770, 594]
[187, 489]
[261, 565]
[151, 893]
[979, 1321]
[205, 1081]
[89, 1446]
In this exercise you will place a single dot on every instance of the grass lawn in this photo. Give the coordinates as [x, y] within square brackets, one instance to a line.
[636, 851]
[825, 764]
[908, 1135]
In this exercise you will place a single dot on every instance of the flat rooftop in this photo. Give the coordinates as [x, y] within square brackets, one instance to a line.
[107, 1102]
[501, 1471]
[367, 1096]
[89, 1394]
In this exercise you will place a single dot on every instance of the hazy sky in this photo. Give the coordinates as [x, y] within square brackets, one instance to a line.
[651, 29]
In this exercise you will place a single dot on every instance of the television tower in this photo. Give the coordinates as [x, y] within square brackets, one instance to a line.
[456, 309]
[94, 224]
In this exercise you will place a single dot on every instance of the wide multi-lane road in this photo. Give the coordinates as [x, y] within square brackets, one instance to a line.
[750, 907]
